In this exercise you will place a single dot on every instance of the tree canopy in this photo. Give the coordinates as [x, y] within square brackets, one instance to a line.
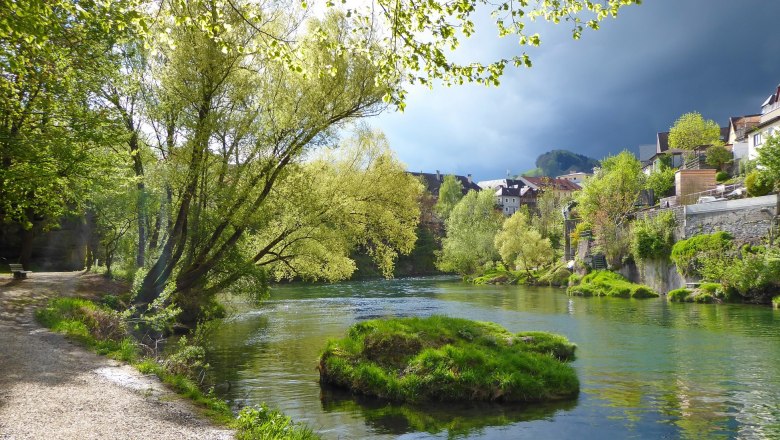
[471, 228]
[450, 193]
[691, 130]
[557, 162]
[520, 245]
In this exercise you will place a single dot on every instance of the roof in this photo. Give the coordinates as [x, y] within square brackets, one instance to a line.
[578, 173]
[515, 191]
[765, 124]
[743, 124]
[433, 182]
[485, 184]
[547, 182]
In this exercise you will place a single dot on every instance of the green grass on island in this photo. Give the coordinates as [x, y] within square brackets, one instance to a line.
[449, 359]
[606, 283]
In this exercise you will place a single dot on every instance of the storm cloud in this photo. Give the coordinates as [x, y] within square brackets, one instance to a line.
[611, 90]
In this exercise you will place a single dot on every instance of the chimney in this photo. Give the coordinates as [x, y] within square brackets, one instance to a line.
[438, 176]
[469, 177]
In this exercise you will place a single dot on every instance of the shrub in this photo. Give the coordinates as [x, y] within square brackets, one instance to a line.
[606, 283]
[721, 176]
[449, 359]
[260, 422]
[688, 255]
[776, 302]
[574, 279]
[653, 238]
[758, 183]
[679, 295]
[556, 276]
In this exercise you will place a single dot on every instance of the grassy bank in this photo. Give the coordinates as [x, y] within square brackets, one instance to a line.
[606, 283]
[449, 359]
[705, 293]
[556, 275]
[104, 331]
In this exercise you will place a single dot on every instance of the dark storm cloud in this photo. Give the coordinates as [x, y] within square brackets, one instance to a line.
[612, 90]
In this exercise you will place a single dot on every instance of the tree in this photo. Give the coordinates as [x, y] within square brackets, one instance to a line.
[470, 230]
[769, 158]
[691, 130]
[53, 141]
[450, 193]
[661, 180]
[556, 162]
[607, 200]
[718, 156]
[521, 245]
[548, 220]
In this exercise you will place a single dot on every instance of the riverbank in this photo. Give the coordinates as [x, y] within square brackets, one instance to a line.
[52, 388]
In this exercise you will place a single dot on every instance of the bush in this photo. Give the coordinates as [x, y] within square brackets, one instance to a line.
[722, 176]
[679, 295]
[260, 422]
[557, 276]
[653, 238]
[449, 359]
[606, 283]
[754, 274]
[776, 302]
[758, 183]
[689, 255]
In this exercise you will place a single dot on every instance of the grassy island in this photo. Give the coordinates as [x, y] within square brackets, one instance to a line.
[606, 283]
[449, 359]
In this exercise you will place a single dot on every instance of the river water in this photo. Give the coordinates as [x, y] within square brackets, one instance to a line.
[647, 368]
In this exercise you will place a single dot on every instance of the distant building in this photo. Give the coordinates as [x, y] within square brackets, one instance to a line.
[512, 198]
[433, 182]
[739, 126]
[558, 186]
[768, 125]
[577, 177]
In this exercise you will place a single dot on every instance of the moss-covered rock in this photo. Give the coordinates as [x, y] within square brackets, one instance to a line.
[449, 359]
[606, 283]
[557, 276]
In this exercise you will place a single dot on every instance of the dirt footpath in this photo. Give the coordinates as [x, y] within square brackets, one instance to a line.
[53, 389]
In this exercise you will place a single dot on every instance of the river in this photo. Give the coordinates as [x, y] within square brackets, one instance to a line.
[647, 368]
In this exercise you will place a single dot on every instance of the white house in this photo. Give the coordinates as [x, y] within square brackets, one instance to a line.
[769, 124]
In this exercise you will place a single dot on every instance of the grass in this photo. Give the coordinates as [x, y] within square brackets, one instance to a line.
[449, 359]
[706, 293]
[101, 329]
[606, 283]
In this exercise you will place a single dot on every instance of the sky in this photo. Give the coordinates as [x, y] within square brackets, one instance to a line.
[613, 89]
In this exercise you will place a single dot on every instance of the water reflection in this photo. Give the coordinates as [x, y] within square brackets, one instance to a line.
[648, 369]
[456, 420]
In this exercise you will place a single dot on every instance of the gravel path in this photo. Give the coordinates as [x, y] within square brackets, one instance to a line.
[53, 389]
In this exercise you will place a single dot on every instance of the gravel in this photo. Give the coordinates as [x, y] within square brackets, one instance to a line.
[53, 389]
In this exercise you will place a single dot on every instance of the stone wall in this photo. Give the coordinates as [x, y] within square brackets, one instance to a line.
[748, 220]
[660, 275]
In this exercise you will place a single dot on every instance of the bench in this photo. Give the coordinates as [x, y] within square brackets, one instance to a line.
[18, 271]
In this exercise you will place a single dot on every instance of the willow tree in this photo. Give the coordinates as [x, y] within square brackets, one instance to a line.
[242, 121]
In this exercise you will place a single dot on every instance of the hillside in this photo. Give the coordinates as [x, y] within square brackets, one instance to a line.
[556, 162]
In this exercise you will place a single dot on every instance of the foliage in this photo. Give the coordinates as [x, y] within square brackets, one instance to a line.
[261, 423]
[606, 201]
[522, 246]
[534, 172]
[606, 283]
[581, 228]
[661, 181]
[450, 193]
[721, 176]
[718, 156]
[753, 272]
[557, 162]
[99, 328]
[769, 159]
[691, 130]
[758, 183]
[449, 359]
[689, 255]
[557, 276]
[746, 166]
[653, 237]
[470, 229]
[679, 295]
[776, 302]
[547, 218]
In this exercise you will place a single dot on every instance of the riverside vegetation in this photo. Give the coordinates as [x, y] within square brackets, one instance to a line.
[104, 330]
[449, 359]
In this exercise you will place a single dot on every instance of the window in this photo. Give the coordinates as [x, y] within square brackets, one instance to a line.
[757, 139]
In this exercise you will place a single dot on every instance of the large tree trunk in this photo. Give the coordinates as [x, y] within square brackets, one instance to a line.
[25, 254]
[138, 168]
